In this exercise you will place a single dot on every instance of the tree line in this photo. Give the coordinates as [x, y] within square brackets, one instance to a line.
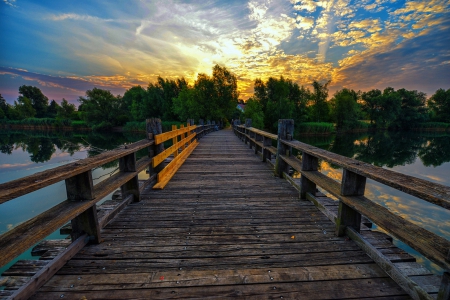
[394, 109]
[215, 97]
[212, 97]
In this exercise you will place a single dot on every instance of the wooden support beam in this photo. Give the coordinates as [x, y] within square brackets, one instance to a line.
[80, 188]
[444, 290]
[309, 163]
[352, 185]
[175, 141]
[409, 286]
[267, 142]
[154, 127]
[40, 278]
[167, 173]
[285, 132]
[258, 138]
[248, 124]
[128, 164]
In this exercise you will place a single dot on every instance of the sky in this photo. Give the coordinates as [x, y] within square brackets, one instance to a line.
[66, 47]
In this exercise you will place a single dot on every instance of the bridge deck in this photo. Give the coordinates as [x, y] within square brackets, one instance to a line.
[223, 227]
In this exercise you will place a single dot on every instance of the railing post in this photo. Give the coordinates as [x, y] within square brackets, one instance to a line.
[80, 188]
[285, 132]
[201, 123]
[258, 138]
[174, 141]
[309, 163]
[154, 127]
[444, 290]
[267, 142]
[352, 185]
[248, 124]
[128, 164]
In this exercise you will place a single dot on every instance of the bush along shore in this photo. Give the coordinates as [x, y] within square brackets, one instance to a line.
[44, 124]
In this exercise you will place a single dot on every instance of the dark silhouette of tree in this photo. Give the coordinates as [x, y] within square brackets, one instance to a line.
[345, 109]
[38, 100]
[436, 151]
[320, 109]
[439, 104]
[102, 108]
[52, 109]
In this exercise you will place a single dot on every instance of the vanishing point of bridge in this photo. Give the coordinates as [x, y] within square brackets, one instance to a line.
[225, 226]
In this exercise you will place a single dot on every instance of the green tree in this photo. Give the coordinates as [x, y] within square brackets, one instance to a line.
[185, 105]
[226, 93]
[100, 107]
[439, 104]
[211, 98]
[412, 110]
[52, 109]
[133, 100]
[320, 109]
[371, 105]
[38, 100]
[66, 110]
[389, 107]
[260, 93]
[253, 110]
[3, 108]
[300, 97]
[346, 109]
[23, 108]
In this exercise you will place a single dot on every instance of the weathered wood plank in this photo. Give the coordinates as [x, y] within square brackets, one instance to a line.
[167, 173]
[344, 289]
[432, 192]
[25, 185]
[161, 138]
[43, 275]
[429, 244]
[206, 278]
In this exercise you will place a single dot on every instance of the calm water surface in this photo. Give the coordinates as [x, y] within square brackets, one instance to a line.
[422, 155]
[26, 153]
[425, 156]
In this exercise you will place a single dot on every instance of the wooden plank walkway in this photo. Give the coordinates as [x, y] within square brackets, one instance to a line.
[224, 227]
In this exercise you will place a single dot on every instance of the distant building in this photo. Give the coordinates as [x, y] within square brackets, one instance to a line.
[241, 107]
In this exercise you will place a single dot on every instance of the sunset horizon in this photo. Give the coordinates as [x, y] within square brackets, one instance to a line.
[67, 48]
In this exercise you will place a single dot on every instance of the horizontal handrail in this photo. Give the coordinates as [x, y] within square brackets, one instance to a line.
[169, 151]
[26, 234]
[261, 132]
[161, 138]
[186, 144]
[25, 185]
[432, 192]
[432, 246]
[83, 195]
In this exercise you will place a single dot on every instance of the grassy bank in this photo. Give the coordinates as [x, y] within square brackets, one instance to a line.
[432, 126]
[140, 126]
[313, 128]
[44, 124]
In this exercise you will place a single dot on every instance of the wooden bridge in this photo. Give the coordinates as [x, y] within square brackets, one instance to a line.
[224, 226]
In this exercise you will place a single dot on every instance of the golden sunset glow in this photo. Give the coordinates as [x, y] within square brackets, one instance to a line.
[355, 44]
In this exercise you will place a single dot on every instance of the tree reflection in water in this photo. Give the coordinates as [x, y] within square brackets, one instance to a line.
[387, 149]
[42, 145]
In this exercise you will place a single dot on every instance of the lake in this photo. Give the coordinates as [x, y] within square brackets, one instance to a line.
[421, 155]
[25, 153]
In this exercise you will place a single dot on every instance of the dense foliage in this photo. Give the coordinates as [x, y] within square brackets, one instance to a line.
[215, 97]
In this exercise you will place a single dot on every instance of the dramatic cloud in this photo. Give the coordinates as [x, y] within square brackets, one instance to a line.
[358, 44]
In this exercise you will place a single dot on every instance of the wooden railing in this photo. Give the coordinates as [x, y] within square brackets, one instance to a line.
[82, 194]
[352, 202]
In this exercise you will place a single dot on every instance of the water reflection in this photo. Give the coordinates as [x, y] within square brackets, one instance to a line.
[42, 146]
[425, 156]
[387, 149]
